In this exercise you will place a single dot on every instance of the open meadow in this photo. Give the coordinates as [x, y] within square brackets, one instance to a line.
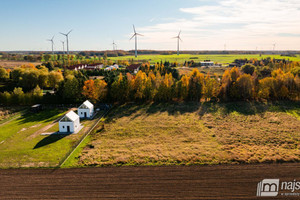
[217, 58]
[195, 133]
[10, 64]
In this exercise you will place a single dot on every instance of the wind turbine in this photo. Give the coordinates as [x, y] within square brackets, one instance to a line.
[51, 40]
[67, 36]
[63, 44]
[114, 45]
[135, 35]
[178, 38]
[274, 46]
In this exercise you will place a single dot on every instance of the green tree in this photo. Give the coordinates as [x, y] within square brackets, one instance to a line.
[248, 69]
[3, 74]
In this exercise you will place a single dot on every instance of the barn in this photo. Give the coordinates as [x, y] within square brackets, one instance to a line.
[86, 110]
[69, 123]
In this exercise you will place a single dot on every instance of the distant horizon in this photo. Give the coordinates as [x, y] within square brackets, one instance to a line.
[274, 51]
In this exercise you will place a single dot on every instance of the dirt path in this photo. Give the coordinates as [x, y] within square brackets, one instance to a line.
[174, 182]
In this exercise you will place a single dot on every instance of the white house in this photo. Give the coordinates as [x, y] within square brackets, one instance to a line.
[69, 123]
[86, 110]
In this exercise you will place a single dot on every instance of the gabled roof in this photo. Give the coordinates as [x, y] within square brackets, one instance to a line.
[70, 116]
[86, 104]
[132, 67]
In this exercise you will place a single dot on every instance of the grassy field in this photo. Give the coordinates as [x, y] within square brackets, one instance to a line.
[218, 58]
[11, 64]
[22, 145]
[194, 133]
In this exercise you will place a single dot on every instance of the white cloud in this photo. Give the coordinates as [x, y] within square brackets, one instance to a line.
[241, 24]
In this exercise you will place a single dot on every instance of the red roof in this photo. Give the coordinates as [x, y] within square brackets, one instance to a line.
[95, 64]
[132, 67]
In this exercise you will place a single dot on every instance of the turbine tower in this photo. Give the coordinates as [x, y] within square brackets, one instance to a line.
[274, 46]
[63, 44]
[114, 45]
[135, 35]
[178, 38]
[51, 40]
[67, 37]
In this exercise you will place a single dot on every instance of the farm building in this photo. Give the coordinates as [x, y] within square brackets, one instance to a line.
[207, 63]
[112, 67]
[86, 110]
[134, 68]
[69, 123]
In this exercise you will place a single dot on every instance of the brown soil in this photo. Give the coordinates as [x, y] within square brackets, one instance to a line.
[172, 182]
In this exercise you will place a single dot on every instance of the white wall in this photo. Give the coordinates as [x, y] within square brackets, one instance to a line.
[73, 126]
[89, 112]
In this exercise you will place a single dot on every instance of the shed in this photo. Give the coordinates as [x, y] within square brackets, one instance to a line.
[69, 123]
[86, 110]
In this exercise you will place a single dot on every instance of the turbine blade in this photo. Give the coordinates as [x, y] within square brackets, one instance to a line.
[62, 33]
[179, 33]
[139, 34]
[132, 36]
[69, 32]
[133, 28]
[52, 37]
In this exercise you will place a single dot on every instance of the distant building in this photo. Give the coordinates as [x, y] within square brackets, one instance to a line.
[207, 63]
[93, 66]
[112, 67]
[86, 110]
[134, 68]
[69, 123]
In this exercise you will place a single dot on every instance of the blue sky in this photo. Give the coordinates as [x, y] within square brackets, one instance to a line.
[205, 25]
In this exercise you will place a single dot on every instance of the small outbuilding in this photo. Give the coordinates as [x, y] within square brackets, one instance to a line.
[69, 123]
[86, 110]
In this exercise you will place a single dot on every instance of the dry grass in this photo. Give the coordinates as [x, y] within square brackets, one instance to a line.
[11, 64]
[167, 134]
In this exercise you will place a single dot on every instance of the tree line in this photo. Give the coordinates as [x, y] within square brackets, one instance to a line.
[271, 80]
[160, 85]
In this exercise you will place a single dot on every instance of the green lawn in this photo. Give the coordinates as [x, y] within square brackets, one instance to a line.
[23, 145]
[195, 133]
[218, 58]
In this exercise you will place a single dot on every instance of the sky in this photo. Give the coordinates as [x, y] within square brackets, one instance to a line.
[204, 24]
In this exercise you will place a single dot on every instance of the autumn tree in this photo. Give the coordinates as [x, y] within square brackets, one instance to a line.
[245, 86]
[140, 85]
[89, 90]
[101, 89]
[165, 90]
[182, 87]
[211, 88]
[196, 85]
[55, 78]
[119, 89]
[3, 74]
